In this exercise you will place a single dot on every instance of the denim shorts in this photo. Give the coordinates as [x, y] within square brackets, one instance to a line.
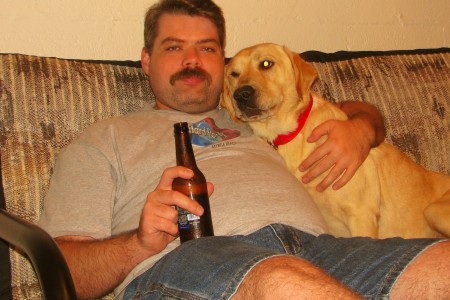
[214, 267]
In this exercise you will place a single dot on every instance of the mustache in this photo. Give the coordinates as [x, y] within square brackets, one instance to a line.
[189, 72]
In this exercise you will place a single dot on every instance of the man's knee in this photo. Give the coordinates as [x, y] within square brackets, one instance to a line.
[428, 275]
[289, 276]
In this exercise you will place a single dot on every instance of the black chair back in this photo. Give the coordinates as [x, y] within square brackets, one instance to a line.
[48, 262]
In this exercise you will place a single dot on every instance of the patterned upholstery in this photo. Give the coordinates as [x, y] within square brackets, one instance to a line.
[46, 102]
[412, 91]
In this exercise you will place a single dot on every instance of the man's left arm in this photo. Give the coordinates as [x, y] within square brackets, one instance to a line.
[347, 146]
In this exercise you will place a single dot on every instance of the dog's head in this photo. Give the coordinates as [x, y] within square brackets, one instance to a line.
[266, 80]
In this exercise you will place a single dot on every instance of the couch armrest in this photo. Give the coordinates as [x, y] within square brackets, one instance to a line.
[45, 256]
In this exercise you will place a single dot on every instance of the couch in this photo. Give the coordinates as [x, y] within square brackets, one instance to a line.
[45, 102]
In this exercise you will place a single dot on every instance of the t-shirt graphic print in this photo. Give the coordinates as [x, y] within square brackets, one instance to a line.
[206, 132]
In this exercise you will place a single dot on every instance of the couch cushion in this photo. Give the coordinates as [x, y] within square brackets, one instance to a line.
[5, 265]
[41, 112]
[410, 88]
[46, 102]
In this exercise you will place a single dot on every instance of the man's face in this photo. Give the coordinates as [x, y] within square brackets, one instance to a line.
[186, 64]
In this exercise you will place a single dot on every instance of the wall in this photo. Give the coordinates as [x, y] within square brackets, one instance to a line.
[112, 29]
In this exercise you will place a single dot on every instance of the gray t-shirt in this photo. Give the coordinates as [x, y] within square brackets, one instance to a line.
[101, 180]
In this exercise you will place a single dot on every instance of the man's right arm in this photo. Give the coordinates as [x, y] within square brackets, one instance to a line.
[98, 266]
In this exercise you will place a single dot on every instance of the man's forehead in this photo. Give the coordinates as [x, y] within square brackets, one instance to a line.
[185, 28]
[170, 39]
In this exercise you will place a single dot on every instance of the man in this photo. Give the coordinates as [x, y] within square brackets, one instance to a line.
[113, 214]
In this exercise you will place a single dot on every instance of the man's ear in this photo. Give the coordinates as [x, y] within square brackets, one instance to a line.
[305, 73]
[145, 60]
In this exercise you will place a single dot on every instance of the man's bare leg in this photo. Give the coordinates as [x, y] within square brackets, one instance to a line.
[427, 277]
[288, 277]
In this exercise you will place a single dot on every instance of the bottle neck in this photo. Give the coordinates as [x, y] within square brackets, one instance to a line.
[184, 151]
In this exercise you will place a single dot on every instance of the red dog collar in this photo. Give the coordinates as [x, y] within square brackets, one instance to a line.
[286, 138]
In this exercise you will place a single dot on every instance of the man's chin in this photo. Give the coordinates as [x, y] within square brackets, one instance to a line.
[189, 102]
[196, 107]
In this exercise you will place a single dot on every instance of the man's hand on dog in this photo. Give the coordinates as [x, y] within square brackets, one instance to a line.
[341, 154]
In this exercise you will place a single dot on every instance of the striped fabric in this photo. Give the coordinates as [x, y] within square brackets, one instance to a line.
[46, 102]
[412, 91]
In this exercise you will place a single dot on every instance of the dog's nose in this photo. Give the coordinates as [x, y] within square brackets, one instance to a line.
[244, 94]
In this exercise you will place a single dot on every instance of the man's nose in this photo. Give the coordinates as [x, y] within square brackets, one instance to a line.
[191, 58]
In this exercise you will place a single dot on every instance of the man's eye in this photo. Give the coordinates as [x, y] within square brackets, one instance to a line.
[208, 49]
[266, 64]
[173, 48]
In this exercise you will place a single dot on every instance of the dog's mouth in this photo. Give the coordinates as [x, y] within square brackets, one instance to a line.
[250, 114]
[246, 101]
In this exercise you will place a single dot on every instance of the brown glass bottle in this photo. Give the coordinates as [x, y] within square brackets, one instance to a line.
[191, 226]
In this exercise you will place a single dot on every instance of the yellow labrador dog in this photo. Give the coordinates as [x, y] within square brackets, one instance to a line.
[268, 86]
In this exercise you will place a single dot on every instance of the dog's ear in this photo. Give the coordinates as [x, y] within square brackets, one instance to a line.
[305, 73]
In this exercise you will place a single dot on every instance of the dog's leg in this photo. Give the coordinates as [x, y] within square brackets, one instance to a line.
[363, 225]
[364, 194]
[437, 214]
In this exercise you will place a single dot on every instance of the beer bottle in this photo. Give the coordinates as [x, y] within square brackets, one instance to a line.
[191, 226]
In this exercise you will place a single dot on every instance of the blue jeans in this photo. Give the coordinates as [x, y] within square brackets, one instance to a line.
[214, 267]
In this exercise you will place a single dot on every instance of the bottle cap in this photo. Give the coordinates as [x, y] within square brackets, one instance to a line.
[180, 127]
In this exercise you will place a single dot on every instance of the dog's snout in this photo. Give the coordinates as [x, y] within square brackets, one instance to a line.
[244, 94]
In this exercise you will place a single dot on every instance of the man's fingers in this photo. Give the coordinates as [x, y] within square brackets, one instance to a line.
[170, 199]
[210, 188]
[168, 226]
[348, 174]
[170, 174]
[334, 174]
[319, 131]
[314, 157]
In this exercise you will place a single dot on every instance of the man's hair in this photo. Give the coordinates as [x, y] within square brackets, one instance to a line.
[201, 8]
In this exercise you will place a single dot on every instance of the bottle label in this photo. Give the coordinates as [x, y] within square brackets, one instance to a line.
[192, 226]
[185, 217]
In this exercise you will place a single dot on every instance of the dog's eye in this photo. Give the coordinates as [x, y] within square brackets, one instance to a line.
[234, 74]
[266, 64]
